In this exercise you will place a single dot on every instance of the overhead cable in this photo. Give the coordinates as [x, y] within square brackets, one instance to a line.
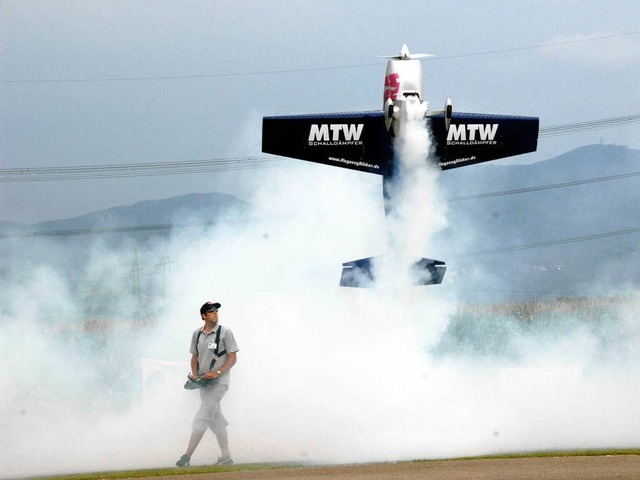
[168, 227]
[550, 243]
[543, 187]
[589, 125]
[126, 170]
[311, 69]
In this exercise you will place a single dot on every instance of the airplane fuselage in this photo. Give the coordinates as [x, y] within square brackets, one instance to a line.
[366, 142]
[403, 98]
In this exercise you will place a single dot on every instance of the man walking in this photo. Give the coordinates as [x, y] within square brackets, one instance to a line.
[213, 354]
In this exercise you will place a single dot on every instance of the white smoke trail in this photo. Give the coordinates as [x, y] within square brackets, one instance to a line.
[324, 374]
[416, 210]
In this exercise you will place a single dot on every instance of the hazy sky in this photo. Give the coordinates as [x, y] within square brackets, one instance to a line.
[121, 82]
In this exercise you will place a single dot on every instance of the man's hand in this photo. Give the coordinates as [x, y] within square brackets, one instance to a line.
[194, 382]
[210, 375]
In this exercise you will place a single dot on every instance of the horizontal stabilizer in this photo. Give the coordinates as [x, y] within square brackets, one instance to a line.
[361, 273]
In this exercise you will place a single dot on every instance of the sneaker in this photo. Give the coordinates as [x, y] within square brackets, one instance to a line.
[224, 461]
[184, 461]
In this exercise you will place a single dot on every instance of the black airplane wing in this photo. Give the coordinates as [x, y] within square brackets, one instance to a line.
[358, 140]
[476, 138]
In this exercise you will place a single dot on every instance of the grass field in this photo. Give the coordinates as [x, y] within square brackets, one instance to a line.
[271, 466]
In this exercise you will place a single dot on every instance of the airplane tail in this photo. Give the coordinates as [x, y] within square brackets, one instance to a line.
[361, 273]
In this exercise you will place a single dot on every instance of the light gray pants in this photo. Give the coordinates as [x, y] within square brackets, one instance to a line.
[210, 414]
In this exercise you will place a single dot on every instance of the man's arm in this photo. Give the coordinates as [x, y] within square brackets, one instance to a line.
[231, 360]
[194, 366]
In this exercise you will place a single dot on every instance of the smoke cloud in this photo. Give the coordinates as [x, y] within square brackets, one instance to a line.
[324, 374]
[416, 213]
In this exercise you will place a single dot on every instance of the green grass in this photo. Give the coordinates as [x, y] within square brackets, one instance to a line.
[168, 471]
[156, 472]
[549, 454]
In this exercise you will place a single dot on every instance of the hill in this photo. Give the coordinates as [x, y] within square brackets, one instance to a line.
[560, 235]
[64, 244]
[203, 206]
[555, 227]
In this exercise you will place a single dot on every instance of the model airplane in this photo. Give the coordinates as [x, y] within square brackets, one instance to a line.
[363, 141]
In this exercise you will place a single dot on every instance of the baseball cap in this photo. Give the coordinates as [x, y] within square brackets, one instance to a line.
[209, 307]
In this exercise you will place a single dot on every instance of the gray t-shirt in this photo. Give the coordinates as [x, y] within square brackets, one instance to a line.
[206, 348]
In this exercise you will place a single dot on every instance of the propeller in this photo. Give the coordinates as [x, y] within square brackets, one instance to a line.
[405, 55]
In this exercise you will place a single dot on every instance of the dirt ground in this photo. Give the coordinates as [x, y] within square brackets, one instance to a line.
[620, 467]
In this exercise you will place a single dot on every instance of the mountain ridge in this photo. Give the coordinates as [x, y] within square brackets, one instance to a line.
[580, 235]
[146, 212]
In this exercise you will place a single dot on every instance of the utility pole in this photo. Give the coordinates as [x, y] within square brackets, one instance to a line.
[136, 291]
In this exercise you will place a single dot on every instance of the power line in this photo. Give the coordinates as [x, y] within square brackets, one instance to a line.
[589, 125]
[126, 170]
[551, 243]
[192, 77]
[543, 187]
[91, 172]
[167, 227]
[536, 47]
[93, 231]
[313, 69]
[104, 230]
